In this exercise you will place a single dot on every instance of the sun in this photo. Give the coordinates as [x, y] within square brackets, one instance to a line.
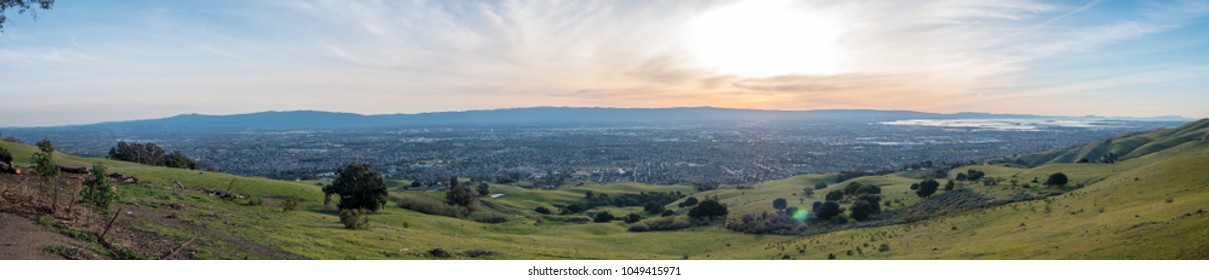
[768, 38]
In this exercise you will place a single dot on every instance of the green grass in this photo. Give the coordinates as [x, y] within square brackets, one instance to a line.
[1121, 213]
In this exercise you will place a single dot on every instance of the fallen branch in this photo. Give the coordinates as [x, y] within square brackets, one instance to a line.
[178, 249]
[115, 218]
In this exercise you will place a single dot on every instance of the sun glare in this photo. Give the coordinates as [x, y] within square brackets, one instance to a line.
[768, 38]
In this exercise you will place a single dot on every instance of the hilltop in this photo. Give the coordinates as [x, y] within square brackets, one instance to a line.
[1147, 206]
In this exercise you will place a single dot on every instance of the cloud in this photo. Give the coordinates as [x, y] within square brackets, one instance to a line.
[414, 56]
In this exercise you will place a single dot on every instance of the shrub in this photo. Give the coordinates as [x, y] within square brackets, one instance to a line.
[664, 223]
[431, 207]
[688, 202]
[603, 217]
[491, 219]
[542, 210]
[632, 218]
[820, 186]
[861, 210]
[480, 253]
[667, 213]
[1056, 179]
[708, 209]
[289, 205]
[354, 219]
[438, 253]
[883, 248]
[835, 195]
[5, 156]
[97, 190]
[827, 210]
[255, 201]
[779, 204]
[653, 208]
[927, 188]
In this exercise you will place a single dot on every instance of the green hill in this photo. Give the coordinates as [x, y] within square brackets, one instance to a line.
[1147, 205]
[1120, 148]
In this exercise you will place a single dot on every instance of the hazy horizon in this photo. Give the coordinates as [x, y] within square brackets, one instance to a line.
[90, 62]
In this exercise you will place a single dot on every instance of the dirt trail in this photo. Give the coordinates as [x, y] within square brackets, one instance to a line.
[22, 239]
[161, 218]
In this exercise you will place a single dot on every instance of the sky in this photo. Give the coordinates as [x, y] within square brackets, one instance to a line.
[91, 61]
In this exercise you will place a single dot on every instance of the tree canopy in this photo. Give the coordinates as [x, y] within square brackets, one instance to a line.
[358, 187]
[927, 188]
[708, 209]
[22, 6]
[1057, 179]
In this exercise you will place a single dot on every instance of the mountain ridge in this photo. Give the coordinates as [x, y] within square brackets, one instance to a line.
[314, 119]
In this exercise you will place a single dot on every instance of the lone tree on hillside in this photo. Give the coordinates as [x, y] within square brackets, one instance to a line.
[927, 188]
[820, 186]
[708, 209]
[780, 204]
[950, 185]
[1056, 179]
[459, 194]
[358, 187]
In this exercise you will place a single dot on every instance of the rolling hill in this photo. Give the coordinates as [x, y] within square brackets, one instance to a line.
[1122, 147]
[1147, 206]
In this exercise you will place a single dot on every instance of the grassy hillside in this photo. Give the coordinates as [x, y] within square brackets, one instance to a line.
[1145, 207]
[1123, 147]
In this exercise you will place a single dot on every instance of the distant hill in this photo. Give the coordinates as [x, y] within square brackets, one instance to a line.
[296, 120]
[1122, 147]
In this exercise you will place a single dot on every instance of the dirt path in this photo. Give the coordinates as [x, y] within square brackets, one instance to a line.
[22, 239]
[161, 218]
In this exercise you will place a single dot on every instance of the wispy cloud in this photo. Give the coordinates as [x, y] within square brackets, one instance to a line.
[413, 56]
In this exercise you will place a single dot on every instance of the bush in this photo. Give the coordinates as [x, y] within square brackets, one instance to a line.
[1056, 179]
[820, 186]
[664, 223]
[835, 195]
[780, 204]
[431, 207]
[354, 219]
[438, 253]
[861, 210]
[688, 202]
[827, 210]
[542, 210]
[708, 209]
[255, 201]
[480, 253]
[603, 217]
[289, 205]
[667, 213]
[491, 219]
[5, 156]
[632, 218]
[97, 190]
[927, 188]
